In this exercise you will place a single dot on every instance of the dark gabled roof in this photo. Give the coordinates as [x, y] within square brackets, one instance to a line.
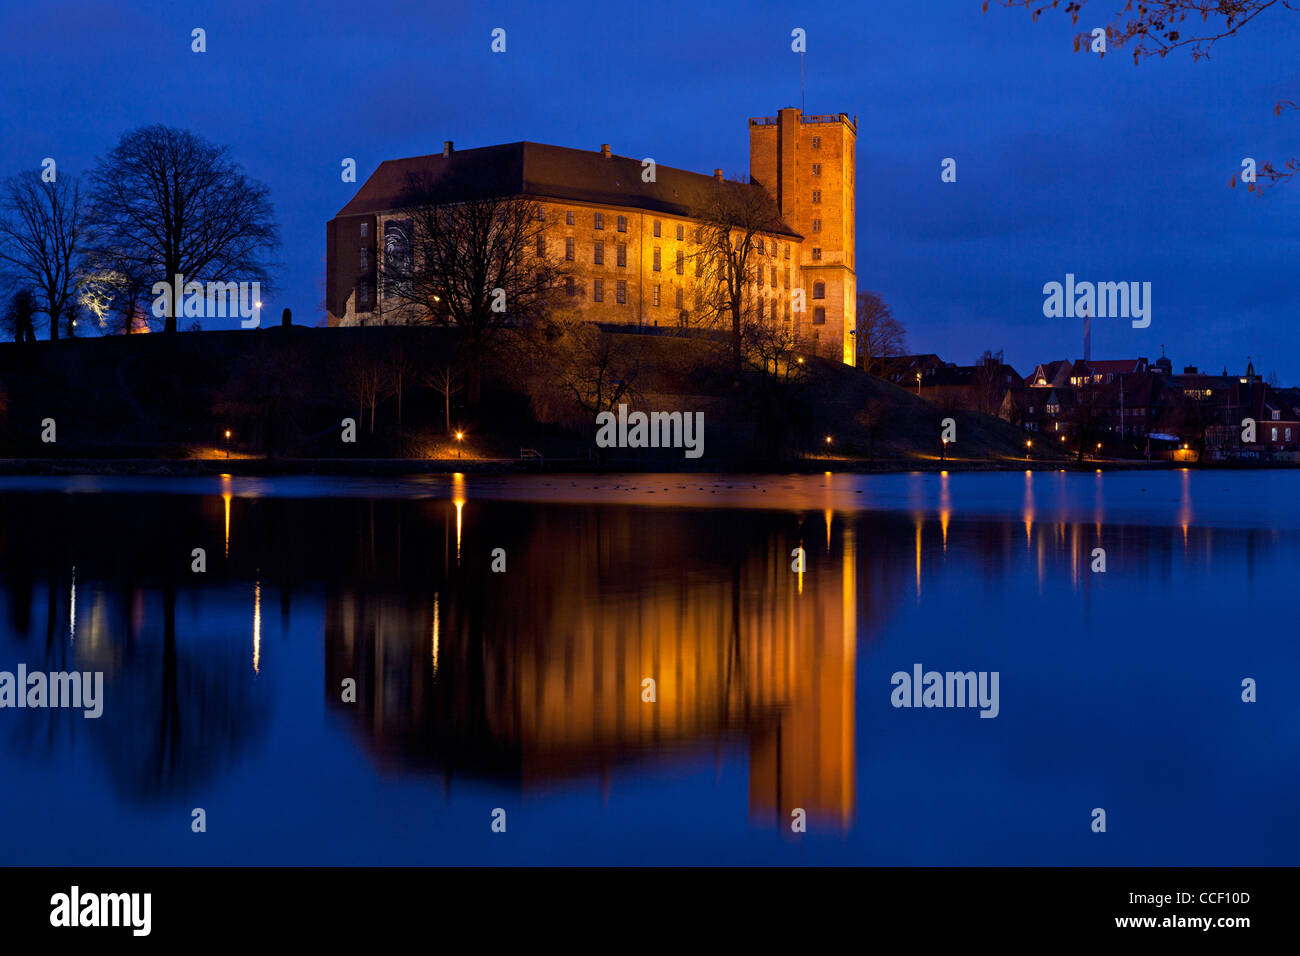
[1050, 371]
[541, 171]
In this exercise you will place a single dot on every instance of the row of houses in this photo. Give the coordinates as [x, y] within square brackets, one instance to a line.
[1127, 406]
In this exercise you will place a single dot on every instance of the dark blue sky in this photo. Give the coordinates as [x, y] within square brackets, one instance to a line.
[1065, 163]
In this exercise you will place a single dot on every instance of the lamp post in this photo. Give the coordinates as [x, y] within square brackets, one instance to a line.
[918, 384]
[1029, 443]
[227, 442]
[459, 436]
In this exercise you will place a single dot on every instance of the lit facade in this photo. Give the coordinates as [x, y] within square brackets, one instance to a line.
[627, 249]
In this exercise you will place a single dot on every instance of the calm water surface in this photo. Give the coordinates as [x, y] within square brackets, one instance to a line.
[523, 690]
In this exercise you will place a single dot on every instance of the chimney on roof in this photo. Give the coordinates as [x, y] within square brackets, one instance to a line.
[446, 147]
[604, 150]
[717, 174]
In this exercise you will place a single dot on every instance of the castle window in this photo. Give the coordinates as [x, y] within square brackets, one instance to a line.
[817, 169]
[819, 316]
[622, 253]
[365, 258]
[655, 260]
[762, 309]
[817, 254]
[620, 291]
[656, 228]
[654, 300]
[363, 294]
[681, 263]
[817, 225]
[817, 142]
[540, 215]
[600, 220]
[597, 290]
[819, 290]
[598, 254]
[568, 248]
[569, 287]
[678, 297]
[541, 244]
[622, 223]
[787, 250]
[568, 218]
[681, 232]
[773, 279]
[365, 229]
[761, 249]
[817, 195]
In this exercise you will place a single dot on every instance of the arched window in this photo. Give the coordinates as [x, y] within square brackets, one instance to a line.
[819, 290]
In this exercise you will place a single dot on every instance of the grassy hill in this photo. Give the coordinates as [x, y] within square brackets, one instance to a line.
[285, 392]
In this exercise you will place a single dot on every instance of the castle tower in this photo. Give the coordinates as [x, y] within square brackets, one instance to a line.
[808, 164]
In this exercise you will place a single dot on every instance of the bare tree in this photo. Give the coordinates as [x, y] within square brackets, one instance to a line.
[368, 382]
[1156, 28]
[41, 234]
[871, 417]
[166, 202]
[988, 385]
[596, 370]
[879, 336]
[774, 384]
[479, 265]
[403, 370]
[447, 379]
[734, 217]
[113, 297]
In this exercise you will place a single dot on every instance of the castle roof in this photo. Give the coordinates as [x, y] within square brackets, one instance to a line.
[542, 172]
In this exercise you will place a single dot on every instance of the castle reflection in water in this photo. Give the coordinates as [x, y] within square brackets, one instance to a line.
[537, 674]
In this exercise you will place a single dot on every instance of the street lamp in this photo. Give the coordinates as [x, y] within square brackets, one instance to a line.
[1029, 443]
[459, 437]
[227, 442]
[918, 384]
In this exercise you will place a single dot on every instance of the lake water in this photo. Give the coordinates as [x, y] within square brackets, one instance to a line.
[523, 691]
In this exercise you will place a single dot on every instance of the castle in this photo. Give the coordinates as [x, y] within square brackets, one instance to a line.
[626, 242]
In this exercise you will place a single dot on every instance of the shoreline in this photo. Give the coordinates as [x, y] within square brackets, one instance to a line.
[397, 467]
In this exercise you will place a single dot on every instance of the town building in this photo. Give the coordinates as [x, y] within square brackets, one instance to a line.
[626, 243]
